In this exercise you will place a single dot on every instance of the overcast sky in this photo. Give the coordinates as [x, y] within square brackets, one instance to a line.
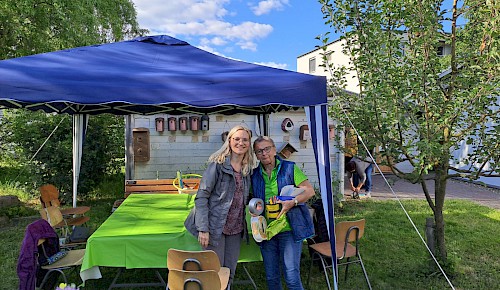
[269, 32]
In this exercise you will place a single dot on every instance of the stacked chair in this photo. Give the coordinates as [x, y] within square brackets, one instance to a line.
[69, 221]
[49, 196]
[195, 270]
[55, 218]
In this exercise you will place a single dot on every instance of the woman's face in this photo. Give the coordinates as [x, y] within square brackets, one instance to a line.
[240, 142]
[265, 152]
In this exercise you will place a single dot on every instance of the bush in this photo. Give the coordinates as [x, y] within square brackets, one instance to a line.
[17, 211]
[24, 141]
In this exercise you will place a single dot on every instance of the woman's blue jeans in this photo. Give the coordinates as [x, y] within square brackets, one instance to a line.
[368, 183]
[282, 253]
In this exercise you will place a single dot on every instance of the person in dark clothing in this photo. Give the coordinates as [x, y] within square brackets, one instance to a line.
[359, 173]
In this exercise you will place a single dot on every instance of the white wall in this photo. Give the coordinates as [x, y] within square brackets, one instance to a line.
[464, 150]
[337, 58]
[188, 151]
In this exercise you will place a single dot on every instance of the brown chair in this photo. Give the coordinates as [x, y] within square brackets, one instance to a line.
[49, 196]
[181, 263]
[347, 234]
[53, 215]
[70, 261]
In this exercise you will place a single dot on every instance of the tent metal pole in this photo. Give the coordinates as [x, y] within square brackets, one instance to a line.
[129, 148]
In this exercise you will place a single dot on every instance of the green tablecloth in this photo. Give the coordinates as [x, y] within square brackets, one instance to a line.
[140, 232]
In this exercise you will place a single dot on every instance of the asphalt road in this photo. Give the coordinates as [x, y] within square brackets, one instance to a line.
[455, 189]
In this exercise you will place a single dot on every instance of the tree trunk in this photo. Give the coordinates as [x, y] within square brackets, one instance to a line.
[441, 171]
[431, 240]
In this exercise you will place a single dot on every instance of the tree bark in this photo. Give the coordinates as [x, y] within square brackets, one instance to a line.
[441, 171]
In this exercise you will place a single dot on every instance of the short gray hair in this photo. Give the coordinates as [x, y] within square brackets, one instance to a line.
[262, 139]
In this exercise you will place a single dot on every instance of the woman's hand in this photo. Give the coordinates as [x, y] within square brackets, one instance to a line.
[286, 205]
[203, 238]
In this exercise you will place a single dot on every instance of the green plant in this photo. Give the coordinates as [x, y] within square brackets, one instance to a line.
[42, 145]
[17, 211]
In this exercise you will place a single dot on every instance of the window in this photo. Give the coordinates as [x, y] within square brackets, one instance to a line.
[440, 51]
[312, 65]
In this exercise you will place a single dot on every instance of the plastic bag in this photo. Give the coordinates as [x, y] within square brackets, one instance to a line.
[275, 227]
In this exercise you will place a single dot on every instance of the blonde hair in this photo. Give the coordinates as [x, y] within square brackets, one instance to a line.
[248, 162]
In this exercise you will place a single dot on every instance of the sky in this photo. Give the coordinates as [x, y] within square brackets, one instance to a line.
[267, 32]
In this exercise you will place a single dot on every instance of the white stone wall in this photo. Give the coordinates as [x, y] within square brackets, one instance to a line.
[188, 151]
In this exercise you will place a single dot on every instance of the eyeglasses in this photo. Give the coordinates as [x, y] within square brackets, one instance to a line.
[266, 149]
[238, 139]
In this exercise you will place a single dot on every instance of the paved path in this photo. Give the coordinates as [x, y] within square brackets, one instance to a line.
[455, 190]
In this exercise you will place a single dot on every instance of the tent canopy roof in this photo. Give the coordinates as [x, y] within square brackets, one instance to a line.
[149, 75]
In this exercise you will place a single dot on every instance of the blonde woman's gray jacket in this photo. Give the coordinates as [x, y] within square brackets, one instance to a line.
[213, 200]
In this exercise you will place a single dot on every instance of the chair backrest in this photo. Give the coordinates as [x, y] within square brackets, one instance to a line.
[193, 260]
[193, 280]
[350, 227]
[52, 214]
[49, 195]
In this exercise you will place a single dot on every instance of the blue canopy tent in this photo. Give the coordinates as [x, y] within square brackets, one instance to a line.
[161, 74]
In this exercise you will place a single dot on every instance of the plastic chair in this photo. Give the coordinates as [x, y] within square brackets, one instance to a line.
[195, 261]
[71, 261]
[348, 234]
[49, 196]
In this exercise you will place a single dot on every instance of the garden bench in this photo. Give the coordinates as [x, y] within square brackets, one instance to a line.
[162, 186]
[158, 185]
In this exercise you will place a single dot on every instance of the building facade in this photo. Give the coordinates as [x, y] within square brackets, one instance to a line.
[163, 152]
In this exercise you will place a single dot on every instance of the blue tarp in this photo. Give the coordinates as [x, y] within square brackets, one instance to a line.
[153, 74]
[161, 74]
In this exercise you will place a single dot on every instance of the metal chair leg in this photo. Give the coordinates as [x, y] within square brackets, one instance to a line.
[346, 269]
[47, 275]
[325, 271]
[364, 272]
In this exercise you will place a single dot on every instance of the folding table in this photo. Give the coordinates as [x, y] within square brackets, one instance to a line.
[140, 232]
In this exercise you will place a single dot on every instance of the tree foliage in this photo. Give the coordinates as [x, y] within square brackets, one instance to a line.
[32, 26]
[43, 144]
[413, 104]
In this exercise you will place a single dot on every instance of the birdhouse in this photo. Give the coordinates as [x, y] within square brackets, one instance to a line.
[204, 122]
[183, 123]
[286, 150]
[160, 124]
[287, 125]
[304, 133]
[194, 123]
[172, 124]
[141, 144]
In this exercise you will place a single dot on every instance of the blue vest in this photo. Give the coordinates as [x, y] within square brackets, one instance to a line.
[285, 177]
[298, 217]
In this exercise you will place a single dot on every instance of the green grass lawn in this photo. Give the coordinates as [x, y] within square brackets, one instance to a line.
[394, 255]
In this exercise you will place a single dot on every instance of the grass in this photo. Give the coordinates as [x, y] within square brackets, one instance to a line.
[394, 255]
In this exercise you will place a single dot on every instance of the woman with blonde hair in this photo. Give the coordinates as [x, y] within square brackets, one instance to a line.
[218, 218]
